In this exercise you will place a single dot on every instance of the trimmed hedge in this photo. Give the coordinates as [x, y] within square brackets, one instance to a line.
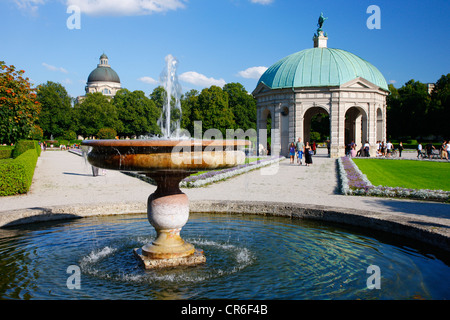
[23, 145]
[16, 174]
[6, 152]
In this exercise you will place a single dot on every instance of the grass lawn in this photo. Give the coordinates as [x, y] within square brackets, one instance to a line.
[409, 174]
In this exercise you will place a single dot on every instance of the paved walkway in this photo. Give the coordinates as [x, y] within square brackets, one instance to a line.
[65, 179]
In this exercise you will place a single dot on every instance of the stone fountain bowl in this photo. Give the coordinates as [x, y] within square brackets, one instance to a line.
[161, 155]
[167, 162]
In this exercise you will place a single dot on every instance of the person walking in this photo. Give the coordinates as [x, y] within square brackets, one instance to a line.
[292, 151]
[308, 154]
[400, 149]
[389, 148]
[299, 147]
[419, 150]
[448, 148]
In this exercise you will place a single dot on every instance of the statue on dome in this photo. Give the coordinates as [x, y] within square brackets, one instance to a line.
[321, 21]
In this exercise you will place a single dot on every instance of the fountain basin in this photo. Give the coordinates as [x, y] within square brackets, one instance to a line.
[157, 154]
[167, 162]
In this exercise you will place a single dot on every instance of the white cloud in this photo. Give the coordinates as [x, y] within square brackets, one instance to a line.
[148, 80]
[392, 81]
[53, 68]
[126, 7]
[199, 79]
[262, 1]
[252, 73]
[29, 5]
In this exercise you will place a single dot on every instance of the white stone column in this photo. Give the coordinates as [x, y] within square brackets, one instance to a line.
[337, 130]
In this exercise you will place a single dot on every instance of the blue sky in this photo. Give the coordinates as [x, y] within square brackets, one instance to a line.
[216, 41]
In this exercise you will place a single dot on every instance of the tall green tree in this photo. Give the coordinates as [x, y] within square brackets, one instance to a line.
[440, 103]
[137, 114]
[188, 103]
[19, 108]
[408, 113]
[95, 112]
[56, 114]
[243, 106]
[213, 110]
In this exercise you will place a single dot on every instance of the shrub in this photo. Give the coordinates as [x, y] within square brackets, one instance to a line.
[6, 152]
[23, 145]
[70, 135]
[314, 136]
[106, 133]
[16, 174]
[63, 142]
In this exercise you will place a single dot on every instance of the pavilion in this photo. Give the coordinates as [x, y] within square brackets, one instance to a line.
[322, 80]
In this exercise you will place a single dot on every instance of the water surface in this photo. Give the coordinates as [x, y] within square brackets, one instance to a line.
[248, 257]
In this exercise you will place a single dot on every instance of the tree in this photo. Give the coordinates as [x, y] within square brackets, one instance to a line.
[19, 108]
[440, 105]
[55, 118]
[243, 106]
[188, 103]
[137, 114]
[408, 113]
[393, 110]
[94, 113]
[213, 110]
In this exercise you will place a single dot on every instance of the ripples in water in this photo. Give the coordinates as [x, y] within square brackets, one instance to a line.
[248, 257]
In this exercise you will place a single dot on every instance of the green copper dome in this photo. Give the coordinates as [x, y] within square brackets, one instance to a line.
[320, 67]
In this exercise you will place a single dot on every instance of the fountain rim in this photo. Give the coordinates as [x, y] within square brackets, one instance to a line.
[407, 226]
[165, 143]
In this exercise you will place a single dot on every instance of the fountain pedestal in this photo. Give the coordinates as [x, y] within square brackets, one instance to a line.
[168, 212]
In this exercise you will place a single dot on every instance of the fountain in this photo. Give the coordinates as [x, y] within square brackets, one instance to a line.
[167, 161]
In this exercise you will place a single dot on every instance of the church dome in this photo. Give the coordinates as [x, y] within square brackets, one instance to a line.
[320, 67]
[103, 72]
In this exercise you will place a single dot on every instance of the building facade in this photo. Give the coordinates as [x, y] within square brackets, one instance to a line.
[102, 79]
[322, 80]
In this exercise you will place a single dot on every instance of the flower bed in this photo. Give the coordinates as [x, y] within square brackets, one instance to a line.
[354, 182]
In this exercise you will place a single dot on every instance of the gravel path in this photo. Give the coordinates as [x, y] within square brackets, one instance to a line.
[65, 179]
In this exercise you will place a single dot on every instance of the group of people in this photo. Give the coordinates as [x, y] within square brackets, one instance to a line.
[364, 151]
[443, 152]
[300, 149]
[386, 149]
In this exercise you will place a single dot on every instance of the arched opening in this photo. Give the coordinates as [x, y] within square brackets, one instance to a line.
[316, 125]
[355, 127]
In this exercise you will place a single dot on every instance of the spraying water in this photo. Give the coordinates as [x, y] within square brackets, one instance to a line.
[170, 119]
